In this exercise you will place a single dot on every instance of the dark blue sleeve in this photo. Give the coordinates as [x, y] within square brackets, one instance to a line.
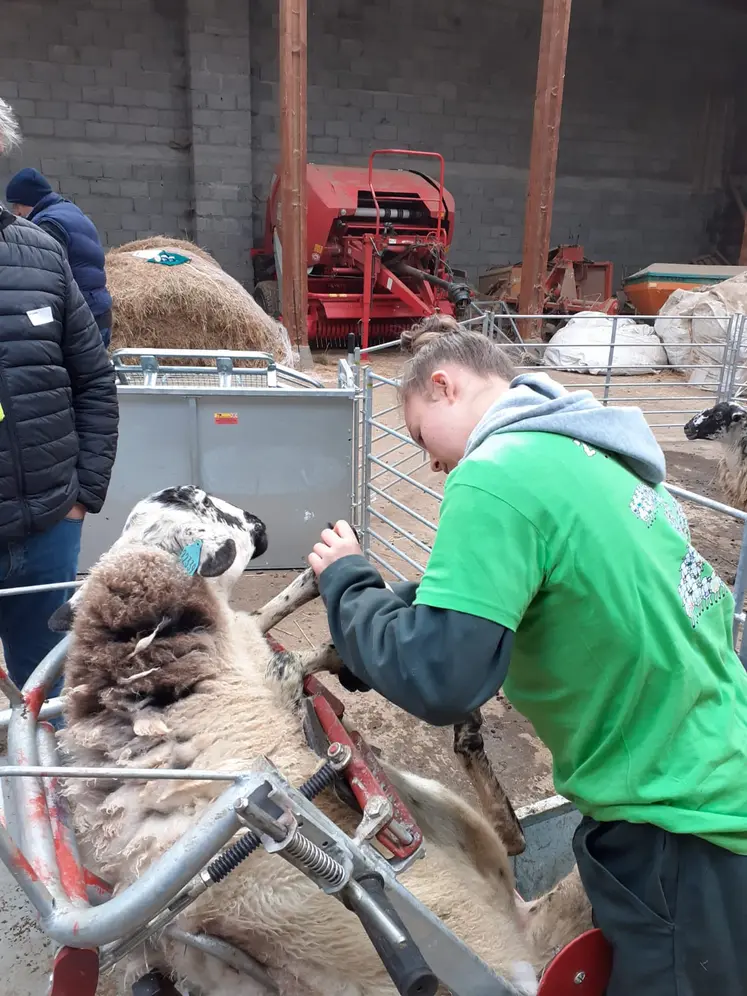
[437, 664]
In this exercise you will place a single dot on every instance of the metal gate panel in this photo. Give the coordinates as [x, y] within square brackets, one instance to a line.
[286, 455]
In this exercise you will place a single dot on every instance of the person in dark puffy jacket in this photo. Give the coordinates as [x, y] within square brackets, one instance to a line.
[31, 196]
[58, 433]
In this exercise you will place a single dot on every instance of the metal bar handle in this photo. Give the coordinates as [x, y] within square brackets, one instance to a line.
[409, 153]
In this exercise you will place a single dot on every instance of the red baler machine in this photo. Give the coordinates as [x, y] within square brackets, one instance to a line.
[376, 251]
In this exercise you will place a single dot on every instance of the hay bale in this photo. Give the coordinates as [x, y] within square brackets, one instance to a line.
[162, 242]
[194, 305]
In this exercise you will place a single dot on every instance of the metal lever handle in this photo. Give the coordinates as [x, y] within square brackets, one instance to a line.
[397, 950]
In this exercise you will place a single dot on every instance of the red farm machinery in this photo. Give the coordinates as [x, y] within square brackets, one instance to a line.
[377, 248]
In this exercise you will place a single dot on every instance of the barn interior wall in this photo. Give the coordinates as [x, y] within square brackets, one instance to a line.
[649, 90]
[161, 115]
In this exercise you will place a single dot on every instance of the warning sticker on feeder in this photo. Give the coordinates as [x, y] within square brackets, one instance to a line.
[226, 418]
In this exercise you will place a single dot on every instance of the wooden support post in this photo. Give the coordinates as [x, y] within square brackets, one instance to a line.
[293, 73]
[548, 104]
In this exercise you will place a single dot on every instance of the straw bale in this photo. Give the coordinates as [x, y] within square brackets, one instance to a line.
[194, 305]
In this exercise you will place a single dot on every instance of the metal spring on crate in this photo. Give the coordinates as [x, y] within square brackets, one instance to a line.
[313, 857]
[318, 781]
[232, 857]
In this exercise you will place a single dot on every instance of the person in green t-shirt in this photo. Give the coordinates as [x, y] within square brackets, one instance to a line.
[563, 571]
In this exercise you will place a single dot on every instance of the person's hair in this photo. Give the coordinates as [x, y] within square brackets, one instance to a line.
[439, 340]
[10, 133]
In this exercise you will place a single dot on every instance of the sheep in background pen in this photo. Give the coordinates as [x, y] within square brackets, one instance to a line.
[161, 672]
[727, 423]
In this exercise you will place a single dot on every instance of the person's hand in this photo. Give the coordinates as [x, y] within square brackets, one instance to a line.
[76, 513]
[334, 545]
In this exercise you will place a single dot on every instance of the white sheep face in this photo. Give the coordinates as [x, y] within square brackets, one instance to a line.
[174, 519]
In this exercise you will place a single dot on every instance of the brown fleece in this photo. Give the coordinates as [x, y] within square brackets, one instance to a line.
[126, 600]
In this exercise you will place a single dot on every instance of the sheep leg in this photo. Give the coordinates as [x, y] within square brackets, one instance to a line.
[301, 590]
[289, 668]
[558, 917]
[469, 747]
[450, 822]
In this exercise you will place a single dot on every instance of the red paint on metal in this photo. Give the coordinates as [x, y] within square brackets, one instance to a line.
[313, 686]
[34, 701]
[94, 882]
[75, 972]
[401, 835]
[19, 861]
[368, 277]
[572, 283]
[71, 873]
[274, 645]
[582, 968]
[358, 219]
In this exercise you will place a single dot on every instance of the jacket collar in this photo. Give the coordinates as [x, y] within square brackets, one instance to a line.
[47, 201]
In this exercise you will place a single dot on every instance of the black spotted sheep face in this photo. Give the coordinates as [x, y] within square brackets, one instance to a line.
[714, 423]
[224, 537]
[211, 537]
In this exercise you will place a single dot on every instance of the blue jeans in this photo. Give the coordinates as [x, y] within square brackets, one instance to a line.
[40, 559]
[106, 336]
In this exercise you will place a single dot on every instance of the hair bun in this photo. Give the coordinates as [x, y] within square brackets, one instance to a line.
[429, 330]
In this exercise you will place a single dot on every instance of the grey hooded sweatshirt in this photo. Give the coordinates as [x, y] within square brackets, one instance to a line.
[407, 652]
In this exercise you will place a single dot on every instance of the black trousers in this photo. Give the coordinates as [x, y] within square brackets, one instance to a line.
[673, 907]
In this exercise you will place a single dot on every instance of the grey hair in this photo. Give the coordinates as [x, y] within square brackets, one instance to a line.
[439, 340]
[10, 132]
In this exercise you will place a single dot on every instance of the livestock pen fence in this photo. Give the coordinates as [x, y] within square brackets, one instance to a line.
[397, 496]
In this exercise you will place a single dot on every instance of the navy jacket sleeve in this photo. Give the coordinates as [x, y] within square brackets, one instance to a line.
[437, 664]
[94, 396]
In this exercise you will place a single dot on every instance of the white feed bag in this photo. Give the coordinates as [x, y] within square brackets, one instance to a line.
[694, 325]
[583, 346]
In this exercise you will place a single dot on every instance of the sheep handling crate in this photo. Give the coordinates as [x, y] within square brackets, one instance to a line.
[74, 929]
[262, 436]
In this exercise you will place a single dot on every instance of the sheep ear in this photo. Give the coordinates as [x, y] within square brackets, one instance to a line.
[61, 620]
[217, 563]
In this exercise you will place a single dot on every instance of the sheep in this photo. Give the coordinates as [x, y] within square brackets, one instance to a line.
[726, 422]
[162, 673]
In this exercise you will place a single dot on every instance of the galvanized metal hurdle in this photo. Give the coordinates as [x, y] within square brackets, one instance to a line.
[721, 374]
[392, 472]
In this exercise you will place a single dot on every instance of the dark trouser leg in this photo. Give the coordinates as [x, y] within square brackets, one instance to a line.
[42, 559]
[671, 905]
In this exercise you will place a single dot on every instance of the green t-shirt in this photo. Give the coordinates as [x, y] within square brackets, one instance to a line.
[623, 657]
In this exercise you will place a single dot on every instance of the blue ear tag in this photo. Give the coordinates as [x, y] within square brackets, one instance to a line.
[190, 557]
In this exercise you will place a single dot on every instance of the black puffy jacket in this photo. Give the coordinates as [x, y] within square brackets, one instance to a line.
[58, 434]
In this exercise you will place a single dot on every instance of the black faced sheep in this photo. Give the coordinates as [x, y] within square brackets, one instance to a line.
[726, 422]
[162, 673]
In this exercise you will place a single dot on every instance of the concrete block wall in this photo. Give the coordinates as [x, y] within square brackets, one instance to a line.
[99, 91]
[218, 95]
[161, 115]
[138, 110]
[460, 79]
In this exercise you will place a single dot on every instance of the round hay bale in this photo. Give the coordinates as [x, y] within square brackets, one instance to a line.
[165, 242]
[194, 305]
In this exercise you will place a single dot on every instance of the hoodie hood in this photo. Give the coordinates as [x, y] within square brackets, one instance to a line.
[536, 403]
